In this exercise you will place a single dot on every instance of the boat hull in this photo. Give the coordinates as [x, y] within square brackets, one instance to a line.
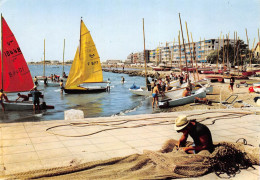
[182, 101]
[85, 91]
[23, 106]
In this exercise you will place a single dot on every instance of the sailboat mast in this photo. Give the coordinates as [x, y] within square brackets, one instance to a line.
[190, 51]
[184, 48]
[44, 60]
[248, 47]
[145, 70]
[2, 53]
[80, 36]
[180, 50]
[63, 58]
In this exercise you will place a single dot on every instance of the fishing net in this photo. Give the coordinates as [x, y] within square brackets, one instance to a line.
[226, 160]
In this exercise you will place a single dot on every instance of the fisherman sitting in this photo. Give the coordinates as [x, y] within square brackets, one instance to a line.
[200, 134]
[24, 97]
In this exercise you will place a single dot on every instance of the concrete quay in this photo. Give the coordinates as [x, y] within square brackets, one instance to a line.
[27, 146]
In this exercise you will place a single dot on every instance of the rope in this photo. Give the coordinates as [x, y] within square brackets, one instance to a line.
[228, 160]
[116, 124]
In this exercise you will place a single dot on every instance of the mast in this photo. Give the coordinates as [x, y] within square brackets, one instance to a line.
[223, 61]
[144, 58]
[2, 52]
[172, 51]
[248, 47]
[194, 56]
[63, 58]
[80, 36]
[44, 60]
[184, 48]
[227, 50]
[190, 51]
[234, 48]
[180, 50]
[219, 39]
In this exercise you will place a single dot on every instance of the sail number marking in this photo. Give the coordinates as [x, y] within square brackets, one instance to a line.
[15, 72]
[11, 52]
[92, 63]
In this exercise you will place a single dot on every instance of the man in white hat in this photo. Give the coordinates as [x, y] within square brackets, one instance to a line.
[199, 132]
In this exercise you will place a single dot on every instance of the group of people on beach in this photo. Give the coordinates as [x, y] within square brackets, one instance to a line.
[162, 85]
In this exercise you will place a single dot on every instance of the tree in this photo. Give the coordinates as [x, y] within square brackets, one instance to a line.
[240, 51]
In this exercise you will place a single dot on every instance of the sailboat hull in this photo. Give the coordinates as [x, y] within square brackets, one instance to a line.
[23, 106]
[85, 91]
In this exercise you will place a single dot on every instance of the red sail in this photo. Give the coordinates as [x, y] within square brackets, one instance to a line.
[16, 74]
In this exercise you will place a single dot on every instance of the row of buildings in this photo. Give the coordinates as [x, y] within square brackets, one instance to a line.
[173, 53]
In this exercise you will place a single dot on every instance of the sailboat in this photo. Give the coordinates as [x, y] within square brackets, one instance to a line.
[15, 75]
[86, 67]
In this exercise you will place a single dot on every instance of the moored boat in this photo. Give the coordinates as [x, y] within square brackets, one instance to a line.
[86, 67]
[201, 93]
[15, 75]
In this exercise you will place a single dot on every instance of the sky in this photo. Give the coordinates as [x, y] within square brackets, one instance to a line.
[116, 25]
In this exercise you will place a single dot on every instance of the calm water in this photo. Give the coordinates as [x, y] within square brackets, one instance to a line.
[119, 101]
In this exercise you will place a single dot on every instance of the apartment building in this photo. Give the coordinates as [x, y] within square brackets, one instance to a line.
[202, 49]
[173, 54]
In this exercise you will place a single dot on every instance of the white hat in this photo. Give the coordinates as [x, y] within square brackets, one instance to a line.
[181, 122]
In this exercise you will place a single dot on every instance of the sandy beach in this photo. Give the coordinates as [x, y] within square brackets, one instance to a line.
[220, 94]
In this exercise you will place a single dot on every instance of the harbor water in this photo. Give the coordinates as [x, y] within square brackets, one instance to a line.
[119, 101]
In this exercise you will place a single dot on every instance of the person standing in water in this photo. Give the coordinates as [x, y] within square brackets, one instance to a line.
[123, 80]
[61, 86]
[108, 85]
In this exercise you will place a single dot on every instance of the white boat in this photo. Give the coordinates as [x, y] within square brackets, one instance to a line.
[50, 83]
[174, 83]
[201, 93]
[18, 106]
[142, 91]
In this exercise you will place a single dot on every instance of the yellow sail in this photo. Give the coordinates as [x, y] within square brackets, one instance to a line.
[86, 65]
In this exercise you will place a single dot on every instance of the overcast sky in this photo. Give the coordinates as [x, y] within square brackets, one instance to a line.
[116, 25]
